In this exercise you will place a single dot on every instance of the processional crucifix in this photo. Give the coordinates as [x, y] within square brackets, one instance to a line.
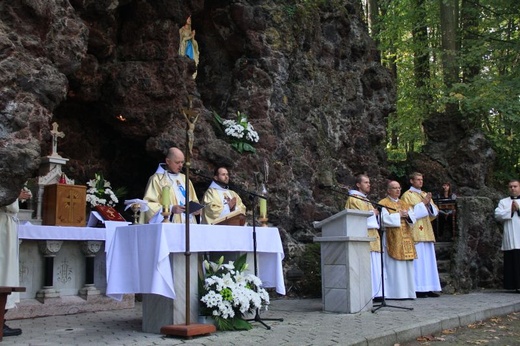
[188, 329]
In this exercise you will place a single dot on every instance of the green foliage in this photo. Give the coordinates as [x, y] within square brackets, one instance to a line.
[235, 323]
[310, 264]
[290, 10]
[487, 93]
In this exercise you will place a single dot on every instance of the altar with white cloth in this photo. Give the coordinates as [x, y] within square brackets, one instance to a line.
[150, 259]
[63, 270]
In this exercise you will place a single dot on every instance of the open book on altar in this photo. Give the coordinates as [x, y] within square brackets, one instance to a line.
[235, 218]
[158, 217]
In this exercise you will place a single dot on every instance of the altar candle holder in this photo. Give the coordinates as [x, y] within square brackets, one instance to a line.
[136, 207]
[166, 214]
[263, 221]
[263, 207]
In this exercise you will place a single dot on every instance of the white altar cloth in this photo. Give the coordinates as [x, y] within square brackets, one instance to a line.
[39, 232]
[138, 260]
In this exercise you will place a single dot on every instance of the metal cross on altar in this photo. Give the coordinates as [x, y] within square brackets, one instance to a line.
[55, 134]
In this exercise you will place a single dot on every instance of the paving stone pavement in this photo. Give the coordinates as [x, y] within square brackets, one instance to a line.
[304, 323]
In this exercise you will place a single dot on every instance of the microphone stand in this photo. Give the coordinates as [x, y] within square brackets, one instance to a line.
[253, 198]
[381, 231]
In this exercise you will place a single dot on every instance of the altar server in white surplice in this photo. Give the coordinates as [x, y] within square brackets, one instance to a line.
[427, 282]
[400, 252]
[9, 255]
[219, 199]
[169, 175]
[508, 213]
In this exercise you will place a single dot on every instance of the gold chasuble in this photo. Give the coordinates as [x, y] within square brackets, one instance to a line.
[153, 194]
[422, 229]
[358, 204]
[215, 208]
[399, 240]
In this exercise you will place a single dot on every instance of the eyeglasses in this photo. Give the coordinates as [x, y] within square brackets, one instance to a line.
[395, 188]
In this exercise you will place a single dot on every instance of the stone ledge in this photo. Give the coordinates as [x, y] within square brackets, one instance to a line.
[68, 305]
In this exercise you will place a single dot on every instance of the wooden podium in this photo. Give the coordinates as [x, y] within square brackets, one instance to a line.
[235, 218]
[64, 205]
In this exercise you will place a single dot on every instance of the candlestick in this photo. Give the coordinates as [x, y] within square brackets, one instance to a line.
[263, 203]
[165, 198]
[263, 207]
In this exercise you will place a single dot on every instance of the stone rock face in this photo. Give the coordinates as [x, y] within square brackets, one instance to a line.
[456, 153]
[477, 260]
[40, 42]
[308, 78]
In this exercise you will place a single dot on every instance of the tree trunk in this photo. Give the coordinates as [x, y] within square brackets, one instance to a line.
[449, 41]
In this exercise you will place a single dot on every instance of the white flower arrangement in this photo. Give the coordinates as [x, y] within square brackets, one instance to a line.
[100, 192]
[228, 293]
[240, 132]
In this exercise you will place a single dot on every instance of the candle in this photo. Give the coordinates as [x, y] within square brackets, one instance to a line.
[263, 208]
[165, 200]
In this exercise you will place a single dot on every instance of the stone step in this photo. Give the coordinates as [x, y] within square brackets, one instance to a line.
[443, 250]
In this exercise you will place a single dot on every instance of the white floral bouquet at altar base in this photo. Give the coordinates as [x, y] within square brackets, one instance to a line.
[240, 132]
[228, 293]
[100, 192]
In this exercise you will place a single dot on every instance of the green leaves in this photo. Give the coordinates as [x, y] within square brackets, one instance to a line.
[235, 323]
[479, 77]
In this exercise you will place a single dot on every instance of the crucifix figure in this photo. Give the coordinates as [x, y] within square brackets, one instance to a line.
[191, 116]
[55, 134]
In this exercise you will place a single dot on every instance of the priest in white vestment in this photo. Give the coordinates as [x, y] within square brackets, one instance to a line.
[508, 213]
[427, 282]
[169, 180]
[358, 200]
[400, 251]
[219, 200]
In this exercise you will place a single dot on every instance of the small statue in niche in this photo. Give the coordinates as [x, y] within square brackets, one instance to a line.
[188, 46]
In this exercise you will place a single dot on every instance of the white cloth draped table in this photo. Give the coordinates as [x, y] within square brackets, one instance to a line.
[138, 257]
[39, 232]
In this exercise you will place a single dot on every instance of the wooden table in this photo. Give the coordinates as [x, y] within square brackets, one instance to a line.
[4, 292]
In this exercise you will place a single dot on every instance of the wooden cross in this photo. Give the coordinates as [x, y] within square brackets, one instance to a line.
[55, 134]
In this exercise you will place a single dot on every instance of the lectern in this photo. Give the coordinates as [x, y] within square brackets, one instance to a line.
[235, 218]
[345, 262]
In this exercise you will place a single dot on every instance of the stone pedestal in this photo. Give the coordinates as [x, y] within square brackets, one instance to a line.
[159, 310]
[89, 249]
[49, 249]
[345, 262]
